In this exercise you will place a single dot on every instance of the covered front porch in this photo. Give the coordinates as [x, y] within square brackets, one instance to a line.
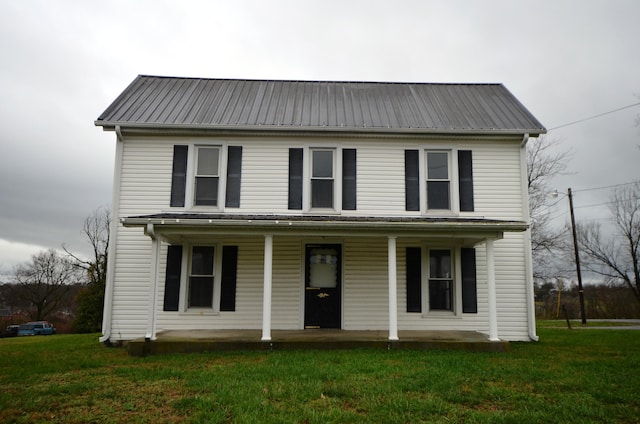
[270, 239]
[192, 341]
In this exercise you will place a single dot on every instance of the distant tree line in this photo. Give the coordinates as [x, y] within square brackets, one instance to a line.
[61, 287]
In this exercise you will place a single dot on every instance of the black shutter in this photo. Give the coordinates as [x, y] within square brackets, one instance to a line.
[469, 289]
[414, 279]
[179, 176]
[172, 278]
[295, 178]
[234, 170]
[411, 180]
[349, 179]
[228, 280]
[465, 180]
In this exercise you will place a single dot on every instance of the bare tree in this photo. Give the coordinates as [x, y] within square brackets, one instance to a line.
[616, 256]
[543, 163]
[45, 283]
[91, 297]
[96, 228]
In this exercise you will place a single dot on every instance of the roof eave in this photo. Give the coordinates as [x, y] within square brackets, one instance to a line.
[146, 127]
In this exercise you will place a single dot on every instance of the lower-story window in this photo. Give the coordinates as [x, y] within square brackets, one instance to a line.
[201, 277]
[440, 280]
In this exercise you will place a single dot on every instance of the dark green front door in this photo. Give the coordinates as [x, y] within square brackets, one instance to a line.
[323, 292]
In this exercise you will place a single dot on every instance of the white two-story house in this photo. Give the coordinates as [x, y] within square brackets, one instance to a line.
[268, 205]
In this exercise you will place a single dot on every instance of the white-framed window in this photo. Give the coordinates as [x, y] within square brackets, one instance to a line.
[207, 176]
[438, 179]
[322, 178]
[441, 280]
[202, 276]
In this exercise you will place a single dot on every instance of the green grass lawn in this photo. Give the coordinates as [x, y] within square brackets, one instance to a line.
[569, 376]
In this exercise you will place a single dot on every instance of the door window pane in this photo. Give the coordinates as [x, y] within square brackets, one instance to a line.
[323, 268]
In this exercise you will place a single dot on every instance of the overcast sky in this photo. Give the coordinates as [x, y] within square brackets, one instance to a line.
[64, 62]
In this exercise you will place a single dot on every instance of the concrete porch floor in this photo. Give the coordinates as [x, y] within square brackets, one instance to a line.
[191, 341]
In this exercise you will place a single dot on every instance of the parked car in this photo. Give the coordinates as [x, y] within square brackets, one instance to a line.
[11, 331]
[36, 328]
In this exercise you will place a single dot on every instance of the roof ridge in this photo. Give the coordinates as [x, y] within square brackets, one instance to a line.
[287, 80]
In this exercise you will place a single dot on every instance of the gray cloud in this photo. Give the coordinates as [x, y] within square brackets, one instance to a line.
[65, 61]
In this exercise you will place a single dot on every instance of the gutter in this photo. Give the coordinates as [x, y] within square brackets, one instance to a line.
[365, 131]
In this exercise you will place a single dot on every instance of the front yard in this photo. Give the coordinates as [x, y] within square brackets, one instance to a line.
[569, 376]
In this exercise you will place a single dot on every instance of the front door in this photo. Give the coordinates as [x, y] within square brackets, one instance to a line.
[323, 274]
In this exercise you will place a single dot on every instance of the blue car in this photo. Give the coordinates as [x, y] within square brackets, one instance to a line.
[36, 328]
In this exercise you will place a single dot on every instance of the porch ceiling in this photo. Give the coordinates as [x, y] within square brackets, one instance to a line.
[175, 227]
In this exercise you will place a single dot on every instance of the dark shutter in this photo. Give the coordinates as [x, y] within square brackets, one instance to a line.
[228, 280]
[465, 180]
[414, 279]
[411, 180]
[172, 278]
[349, 179]
[295, 178]
[179, 175]
[234, 170]
[469, 290]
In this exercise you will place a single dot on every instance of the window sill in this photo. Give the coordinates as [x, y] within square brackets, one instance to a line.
[199, 312]
[441, 314]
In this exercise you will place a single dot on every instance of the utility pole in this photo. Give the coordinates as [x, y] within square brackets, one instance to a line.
[575, 251]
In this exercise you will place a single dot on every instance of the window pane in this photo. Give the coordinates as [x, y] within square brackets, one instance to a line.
[202, 260]
[208, 161]
[438, 195]
[438, 165]
[201, 292]
[322, 164]
[323, 268]
[206, 191]
[439, 264]
[440, 295]
[322, 193]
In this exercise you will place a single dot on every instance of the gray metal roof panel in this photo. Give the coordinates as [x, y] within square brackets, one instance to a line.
[151, 101]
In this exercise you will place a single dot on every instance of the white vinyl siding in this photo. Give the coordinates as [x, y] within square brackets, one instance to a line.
[146, 186]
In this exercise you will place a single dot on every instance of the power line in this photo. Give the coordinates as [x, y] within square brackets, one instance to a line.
[593, 117]
[609, 186]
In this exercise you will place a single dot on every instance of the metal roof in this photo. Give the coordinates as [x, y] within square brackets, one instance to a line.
[277, 105]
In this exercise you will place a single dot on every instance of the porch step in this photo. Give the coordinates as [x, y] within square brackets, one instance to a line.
[195, 341]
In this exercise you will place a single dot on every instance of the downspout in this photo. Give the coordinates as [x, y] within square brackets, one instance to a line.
[113, 235]
[528, 258]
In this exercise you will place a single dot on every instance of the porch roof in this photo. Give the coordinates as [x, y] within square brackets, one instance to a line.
[173, 225]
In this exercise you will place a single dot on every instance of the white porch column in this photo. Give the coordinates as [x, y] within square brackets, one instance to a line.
[153, 283]
[491, 288]
[266, 295]
[393, 289]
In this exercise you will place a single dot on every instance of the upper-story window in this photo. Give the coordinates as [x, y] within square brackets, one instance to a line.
[438, 180]
[442, 181]
[322, 178]
[206, 176]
